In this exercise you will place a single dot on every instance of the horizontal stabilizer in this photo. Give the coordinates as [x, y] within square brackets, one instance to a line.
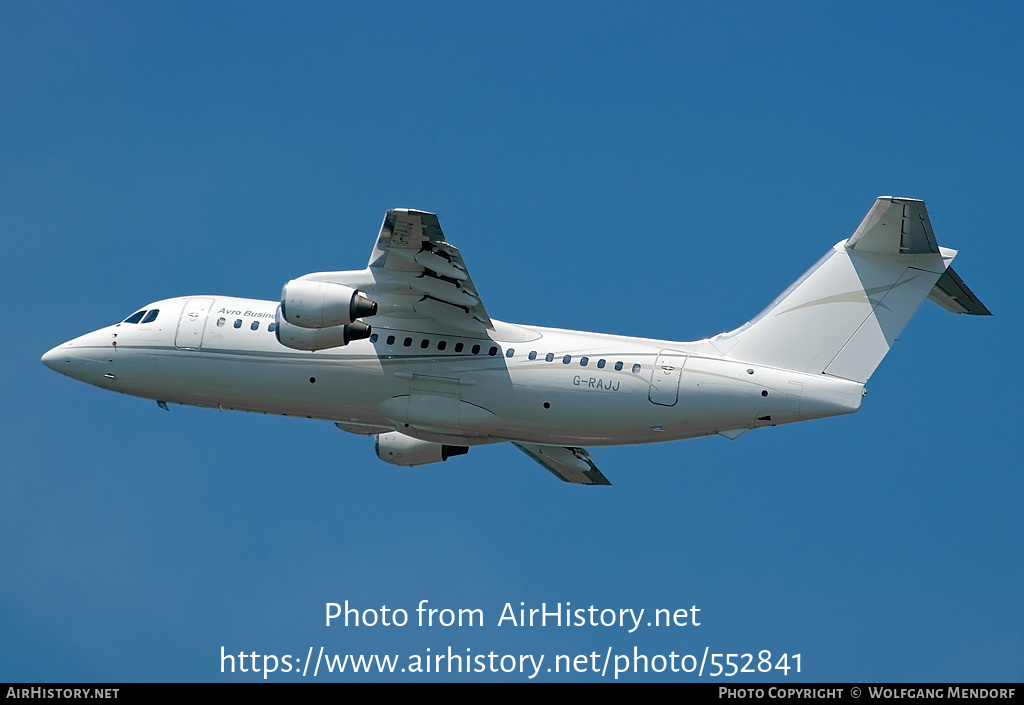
[952, 294]
[568, 464]
[895, 226]
[846, 312]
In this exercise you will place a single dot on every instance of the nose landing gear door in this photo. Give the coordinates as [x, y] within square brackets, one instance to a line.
[192, 324]
[665, 378]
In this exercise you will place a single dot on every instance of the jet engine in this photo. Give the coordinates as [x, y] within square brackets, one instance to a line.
[312, 339]
[398, 449]
[312, 304]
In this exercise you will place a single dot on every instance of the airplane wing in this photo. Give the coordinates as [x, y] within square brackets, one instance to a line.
[422, 275]
[567, 464]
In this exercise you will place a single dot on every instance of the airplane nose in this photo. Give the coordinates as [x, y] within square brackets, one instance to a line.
[83, 357]
[51, 358]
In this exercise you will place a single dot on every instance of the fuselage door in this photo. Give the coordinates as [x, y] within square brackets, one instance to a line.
[665, 378]
[192, 324]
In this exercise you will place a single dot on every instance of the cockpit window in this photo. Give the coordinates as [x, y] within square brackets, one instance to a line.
[151, 316]
[135, 317]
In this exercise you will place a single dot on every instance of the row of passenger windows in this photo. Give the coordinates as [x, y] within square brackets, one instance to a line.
[584, 361]
[424, 343]
[143, 316]
[255, 325]
[441, 345]
[150, 316]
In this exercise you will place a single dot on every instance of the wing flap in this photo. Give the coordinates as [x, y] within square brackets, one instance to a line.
[450, 316]
[435, 263]
[412, 253]
[567, 464]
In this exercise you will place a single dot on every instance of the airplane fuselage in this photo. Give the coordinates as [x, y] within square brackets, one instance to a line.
[524, 383]
[405, 350]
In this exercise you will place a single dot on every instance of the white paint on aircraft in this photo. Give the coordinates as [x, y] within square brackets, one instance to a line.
[404, 350]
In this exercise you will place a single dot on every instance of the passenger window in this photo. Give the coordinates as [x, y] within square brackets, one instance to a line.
[255, 325]
[135, 317]
[549, 357]
[221, 321]
[636, 368]
[493, 351]
[442, 344]
[532, 355]
[510, 352]
[238, 323]
[272, 327]
[424, 343]
[618, 366]
[600, 364]
[567, 359]
[407, 342]
[476, 349]
[151, 316]
[458, 347]
[391, 340]
[584, 361]
[373, 338]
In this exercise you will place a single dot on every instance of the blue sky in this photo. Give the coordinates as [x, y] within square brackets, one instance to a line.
[660, 169]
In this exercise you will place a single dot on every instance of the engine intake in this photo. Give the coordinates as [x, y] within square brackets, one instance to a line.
[312, 304]
[398, 449]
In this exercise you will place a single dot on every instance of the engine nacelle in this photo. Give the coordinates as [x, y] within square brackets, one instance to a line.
[398, 449]
[313, 339]
[310, 304]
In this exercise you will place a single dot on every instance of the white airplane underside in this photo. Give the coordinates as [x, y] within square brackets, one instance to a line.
[405, 351]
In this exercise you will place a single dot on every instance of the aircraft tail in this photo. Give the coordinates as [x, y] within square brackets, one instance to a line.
[842, 316]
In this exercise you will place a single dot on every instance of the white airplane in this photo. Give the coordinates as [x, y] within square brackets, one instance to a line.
[436, 374]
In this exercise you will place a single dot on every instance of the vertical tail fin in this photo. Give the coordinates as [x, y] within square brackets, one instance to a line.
[842, 316]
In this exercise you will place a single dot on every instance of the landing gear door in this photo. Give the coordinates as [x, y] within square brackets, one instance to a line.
[668, 369]
[192, 324]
